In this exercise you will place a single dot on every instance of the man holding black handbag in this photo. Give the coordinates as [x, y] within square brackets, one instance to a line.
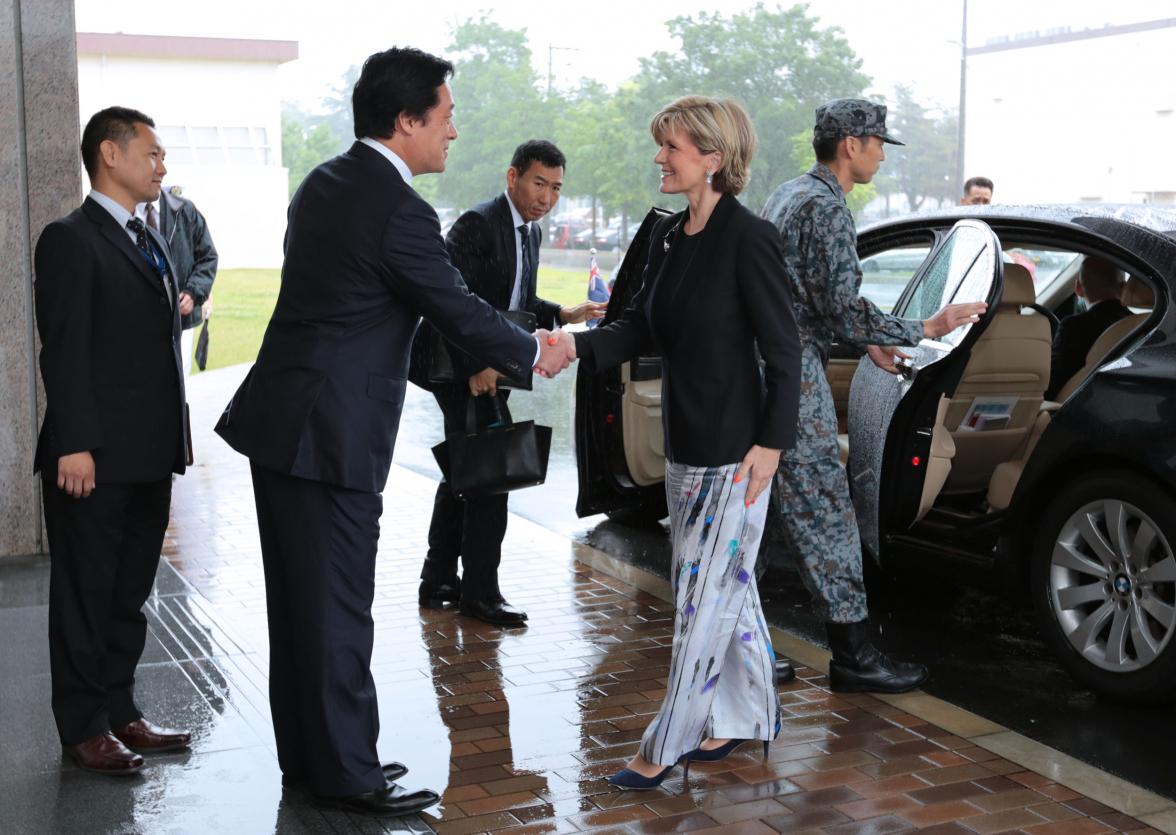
[495, 246]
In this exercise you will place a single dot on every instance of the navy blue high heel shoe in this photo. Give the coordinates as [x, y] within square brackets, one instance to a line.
[701, 755]
[627, 778]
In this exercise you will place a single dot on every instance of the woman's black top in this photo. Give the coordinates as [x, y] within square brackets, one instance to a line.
[706, 305]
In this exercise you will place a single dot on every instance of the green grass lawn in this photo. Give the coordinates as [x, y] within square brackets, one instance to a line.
[244, 299]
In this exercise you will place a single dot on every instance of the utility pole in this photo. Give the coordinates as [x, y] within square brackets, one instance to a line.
[963, 101]
[551, 49]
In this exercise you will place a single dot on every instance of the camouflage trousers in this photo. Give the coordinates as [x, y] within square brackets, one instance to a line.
[820, 529]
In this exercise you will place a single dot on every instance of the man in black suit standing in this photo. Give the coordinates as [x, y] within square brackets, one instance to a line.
[112, 437]
[318, 413]
[495, 246]
[1100, 283]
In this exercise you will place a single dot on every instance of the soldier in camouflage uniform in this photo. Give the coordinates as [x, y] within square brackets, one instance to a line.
[821, 263]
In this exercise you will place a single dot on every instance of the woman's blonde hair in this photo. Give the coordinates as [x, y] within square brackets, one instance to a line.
[713, 125]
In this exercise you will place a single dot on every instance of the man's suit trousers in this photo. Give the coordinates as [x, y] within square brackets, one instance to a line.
[470, 528]
[318, 547]
[104, 551]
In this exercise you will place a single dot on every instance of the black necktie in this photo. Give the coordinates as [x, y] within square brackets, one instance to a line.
[136, 226]
[525, 262]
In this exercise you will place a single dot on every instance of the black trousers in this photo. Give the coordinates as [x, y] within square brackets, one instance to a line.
[318, 548]
[471, 529]
[103, 551]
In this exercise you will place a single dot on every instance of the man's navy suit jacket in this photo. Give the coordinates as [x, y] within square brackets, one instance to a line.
[364, 261]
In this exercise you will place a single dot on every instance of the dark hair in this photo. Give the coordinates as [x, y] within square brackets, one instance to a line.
[114, 123]
[979, 182]
[395, 81]
[540, 151]
[826, 149]
[1100, 276]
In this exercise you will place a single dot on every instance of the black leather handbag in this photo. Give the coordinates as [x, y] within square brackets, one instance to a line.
[496, 459]
[441, 363]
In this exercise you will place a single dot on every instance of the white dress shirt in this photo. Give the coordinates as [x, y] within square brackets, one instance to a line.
[516, 293]
[120, 215]
[390, 155]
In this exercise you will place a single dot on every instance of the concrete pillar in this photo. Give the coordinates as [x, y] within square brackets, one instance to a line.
[40, 180]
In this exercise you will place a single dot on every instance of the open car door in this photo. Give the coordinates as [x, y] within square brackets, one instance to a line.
[619, 445]
[899, 451]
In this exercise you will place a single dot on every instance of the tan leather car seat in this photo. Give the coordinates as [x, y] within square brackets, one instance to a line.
[1010, 359]
[1008, 473]
[1135, 295]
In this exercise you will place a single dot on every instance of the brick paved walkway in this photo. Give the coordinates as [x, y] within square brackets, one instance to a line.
[519, 728]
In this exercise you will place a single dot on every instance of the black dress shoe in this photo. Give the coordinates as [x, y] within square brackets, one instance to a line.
[785, 672]
[390, 801]
[392, 771]
[432, 596]
[496, 612]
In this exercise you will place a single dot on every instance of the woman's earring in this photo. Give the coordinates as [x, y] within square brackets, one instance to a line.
[710, 175]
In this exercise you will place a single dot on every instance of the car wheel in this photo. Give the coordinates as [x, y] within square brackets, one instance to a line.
[1103, 580]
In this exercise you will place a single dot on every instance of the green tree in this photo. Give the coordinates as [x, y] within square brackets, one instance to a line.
[336, 109]
[924, 167]
[304, 145]
[777, 62]
[493, 83]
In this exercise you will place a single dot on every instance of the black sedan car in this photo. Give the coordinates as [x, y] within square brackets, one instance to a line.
[960, 464]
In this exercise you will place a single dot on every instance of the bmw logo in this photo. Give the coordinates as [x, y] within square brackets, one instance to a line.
[1122, 584]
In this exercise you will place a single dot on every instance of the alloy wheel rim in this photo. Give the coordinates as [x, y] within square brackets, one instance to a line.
[1112, 586]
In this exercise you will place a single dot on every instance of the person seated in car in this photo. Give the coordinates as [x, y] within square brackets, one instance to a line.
[1100, 283]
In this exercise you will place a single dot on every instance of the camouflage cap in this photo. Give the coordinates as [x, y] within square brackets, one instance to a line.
[852, 117]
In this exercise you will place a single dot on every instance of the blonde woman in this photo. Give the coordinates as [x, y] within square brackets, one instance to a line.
[713, 293]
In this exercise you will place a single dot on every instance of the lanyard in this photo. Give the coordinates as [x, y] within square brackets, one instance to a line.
[155, 259]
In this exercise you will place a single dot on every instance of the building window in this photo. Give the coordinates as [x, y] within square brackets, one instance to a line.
[211, 145]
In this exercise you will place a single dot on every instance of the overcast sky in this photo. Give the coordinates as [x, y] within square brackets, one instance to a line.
[903, 41]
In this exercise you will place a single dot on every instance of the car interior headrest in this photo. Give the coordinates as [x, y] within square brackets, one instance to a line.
[1137, 294]
[1018, 286]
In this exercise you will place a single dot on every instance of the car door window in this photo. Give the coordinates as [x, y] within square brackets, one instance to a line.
[964, 267]
[886, 274]
[960, 271]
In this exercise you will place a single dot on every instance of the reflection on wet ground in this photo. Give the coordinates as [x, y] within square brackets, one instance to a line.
[519, 728]
[984, 651]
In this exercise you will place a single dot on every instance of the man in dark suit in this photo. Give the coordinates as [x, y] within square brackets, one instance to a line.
[318, 413]
[495, 246]
[112, 437]
[1100, 283]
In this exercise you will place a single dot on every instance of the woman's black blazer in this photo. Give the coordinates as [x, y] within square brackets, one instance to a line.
[707, 324]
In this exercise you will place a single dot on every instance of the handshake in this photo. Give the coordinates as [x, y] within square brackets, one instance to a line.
[557, 350]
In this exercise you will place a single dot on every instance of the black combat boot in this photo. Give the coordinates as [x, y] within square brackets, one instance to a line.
[858, 666]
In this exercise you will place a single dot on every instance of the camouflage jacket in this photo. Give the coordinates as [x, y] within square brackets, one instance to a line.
[821, 263]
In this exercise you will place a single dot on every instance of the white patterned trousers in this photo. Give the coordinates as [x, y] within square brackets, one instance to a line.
[722, 670]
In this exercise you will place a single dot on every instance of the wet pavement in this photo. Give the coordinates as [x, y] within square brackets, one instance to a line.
[983, 648]
[984, 651]
[518, 728]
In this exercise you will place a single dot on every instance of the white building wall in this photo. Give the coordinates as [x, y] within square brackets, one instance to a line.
[1084, 120]
[221, 122]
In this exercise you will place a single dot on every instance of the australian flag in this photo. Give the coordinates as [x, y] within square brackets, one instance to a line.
[598, 289]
